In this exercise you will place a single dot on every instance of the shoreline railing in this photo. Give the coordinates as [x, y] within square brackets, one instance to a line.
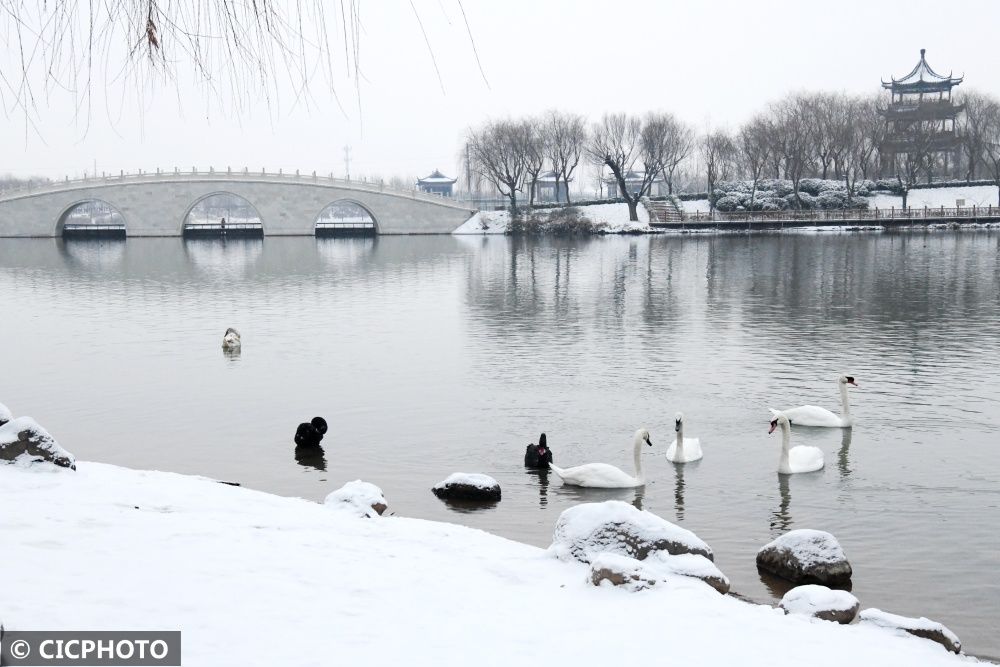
[873, 215]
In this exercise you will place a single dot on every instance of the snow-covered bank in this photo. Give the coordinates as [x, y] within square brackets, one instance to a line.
[611, 218]
[251, 578]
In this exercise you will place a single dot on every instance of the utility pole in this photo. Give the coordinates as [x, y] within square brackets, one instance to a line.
[347, 161]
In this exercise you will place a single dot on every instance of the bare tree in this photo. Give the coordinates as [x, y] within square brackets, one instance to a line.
[532, 141]
[621, 143]
[990, 123]
[679, 144]
[565, 139]
[859, 153]
[753, 143]
[717, 151]
[979, 109]
[792, 124]
[496, 151]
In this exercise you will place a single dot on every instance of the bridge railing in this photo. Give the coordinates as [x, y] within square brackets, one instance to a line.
[229, 174]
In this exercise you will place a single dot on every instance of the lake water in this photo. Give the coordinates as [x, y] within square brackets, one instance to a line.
[430, 355]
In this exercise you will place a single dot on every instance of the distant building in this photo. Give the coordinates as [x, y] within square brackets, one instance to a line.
[437, 183]
[921, 121]
[633, 180]
[546, 188]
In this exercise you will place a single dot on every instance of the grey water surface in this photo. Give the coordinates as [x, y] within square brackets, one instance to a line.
[431, 355]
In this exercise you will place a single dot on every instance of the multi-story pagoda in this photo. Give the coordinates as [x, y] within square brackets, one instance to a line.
[921, 122]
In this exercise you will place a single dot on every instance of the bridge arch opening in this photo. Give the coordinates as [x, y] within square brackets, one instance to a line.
[346, 217]
[222, 215]
[91, 219]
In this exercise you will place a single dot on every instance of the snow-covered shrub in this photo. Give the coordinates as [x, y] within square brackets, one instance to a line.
[771, 204]
[808, 202]
[831, 186]
[811, 185]
[832, 200]
[727, 203]
[778, 186]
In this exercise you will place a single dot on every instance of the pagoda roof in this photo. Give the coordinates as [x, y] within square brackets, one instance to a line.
[549, 176]
[436, 177]
[923, 76]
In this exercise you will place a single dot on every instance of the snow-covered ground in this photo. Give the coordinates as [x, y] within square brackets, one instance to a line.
[974, 195]
[695, 206]
[255, 579]
[613, 218]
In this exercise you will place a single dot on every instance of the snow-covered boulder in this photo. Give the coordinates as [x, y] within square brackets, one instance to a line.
[614, 526]
[920, 627]
[621, 570]
[231, 339]
[807, 556]
[361, 498]
[468, 486]
[636, 575]
[821, 602]
[693, 566]
[5, 414]
[23, 441]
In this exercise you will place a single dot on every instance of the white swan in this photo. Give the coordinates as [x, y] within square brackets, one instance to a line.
[231, 341]
[796, 459]
[683, 450]
[604, 476]
[811, 415]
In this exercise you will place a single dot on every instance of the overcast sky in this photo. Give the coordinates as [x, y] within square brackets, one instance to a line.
[709, 62]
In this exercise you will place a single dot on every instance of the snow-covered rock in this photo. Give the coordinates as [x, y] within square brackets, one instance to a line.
[636, 575]
[621, 570]
[919, 627]
[24, 442]
[691, 565]
[468, 486]
[231, 340]
[361, 498]
[584, 531]
[821, 602]
[5, 414]
[808, 556]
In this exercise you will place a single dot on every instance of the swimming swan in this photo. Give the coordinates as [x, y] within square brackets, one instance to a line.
[811, 415]
[796, 459]
[604, 476]
[683, 450]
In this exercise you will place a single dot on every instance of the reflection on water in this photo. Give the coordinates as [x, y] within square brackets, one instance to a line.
[843, 454]
[229, 258]
[93, 254]
[311, 457]
[781, 518]
[434, 355]
[541, 478]
[232, 354]
[679, 491]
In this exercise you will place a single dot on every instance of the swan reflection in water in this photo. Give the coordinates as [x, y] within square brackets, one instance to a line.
[311, 457]
[843, 455]
[679, 491]
[542, 474]
[781, 519]
[231, 353]
[581, 494]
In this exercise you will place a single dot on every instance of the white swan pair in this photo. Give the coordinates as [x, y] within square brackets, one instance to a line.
[604, 476]
[811, 415]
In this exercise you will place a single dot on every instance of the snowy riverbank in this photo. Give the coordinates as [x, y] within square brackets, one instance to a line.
[252, 578]
[609, 218]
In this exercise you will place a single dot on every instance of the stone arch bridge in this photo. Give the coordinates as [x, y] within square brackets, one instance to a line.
[158, 204]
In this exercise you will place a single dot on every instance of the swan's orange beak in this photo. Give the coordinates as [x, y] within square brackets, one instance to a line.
[774, 425]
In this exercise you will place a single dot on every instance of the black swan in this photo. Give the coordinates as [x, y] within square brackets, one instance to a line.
[310, 434]
[538, 456]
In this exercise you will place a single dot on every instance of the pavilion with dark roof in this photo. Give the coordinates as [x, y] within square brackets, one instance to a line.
[437, 183]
